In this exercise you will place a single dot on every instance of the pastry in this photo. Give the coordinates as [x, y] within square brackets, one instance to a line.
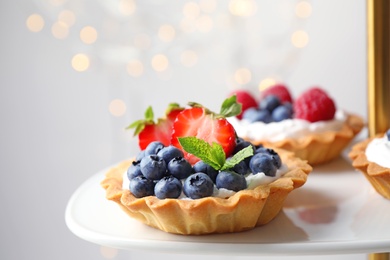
[311, 126]
[205, 180]
[372, 158]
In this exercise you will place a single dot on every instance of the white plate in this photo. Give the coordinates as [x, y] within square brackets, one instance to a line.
[335, 212]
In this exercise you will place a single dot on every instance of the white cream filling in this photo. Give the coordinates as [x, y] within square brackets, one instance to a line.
[289, 128]
[378, 151]
[252, 181]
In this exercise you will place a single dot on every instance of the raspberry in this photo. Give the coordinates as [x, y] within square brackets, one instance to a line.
[314, 105]
[246, 99]
[279, 90]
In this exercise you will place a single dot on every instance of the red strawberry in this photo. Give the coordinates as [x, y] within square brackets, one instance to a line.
[201, 123]
[246, 99]
[149, 131]
[314, 105]
[278, 90]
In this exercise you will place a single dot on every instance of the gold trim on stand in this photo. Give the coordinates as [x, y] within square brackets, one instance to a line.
[379, 256]
[378, 58]
[378, 35]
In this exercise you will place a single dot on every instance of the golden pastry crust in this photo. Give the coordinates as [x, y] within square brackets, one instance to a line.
[322, 147]
[243, 211]
[378, 176]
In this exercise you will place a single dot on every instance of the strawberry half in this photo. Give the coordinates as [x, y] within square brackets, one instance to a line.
[149, 131]
[199, 122]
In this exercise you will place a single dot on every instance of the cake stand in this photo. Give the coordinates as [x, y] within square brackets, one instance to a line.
[335, 212]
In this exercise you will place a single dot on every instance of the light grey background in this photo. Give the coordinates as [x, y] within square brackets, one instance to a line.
[56, 129]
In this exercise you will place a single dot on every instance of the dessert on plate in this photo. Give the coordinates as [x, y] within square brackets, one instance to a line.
[372, 158]
[311, 126]
[194, 176]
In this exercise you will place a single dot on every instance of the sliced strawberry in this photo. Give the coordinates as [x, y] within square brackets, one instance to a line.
[246, 99]
[279, 90]
[149, 131]
[161, 131]
[201, 123]
[172, 113]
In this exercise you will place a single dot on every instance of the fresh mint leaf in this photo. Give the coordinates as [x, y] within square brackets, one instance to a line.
[218, 153]
[213, 155]
[230, 107]
[238, 157]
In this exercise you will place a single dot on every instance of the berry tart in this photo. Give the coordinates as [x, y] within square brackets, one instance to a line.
[372, 158]
[194, 176]
[310, 126]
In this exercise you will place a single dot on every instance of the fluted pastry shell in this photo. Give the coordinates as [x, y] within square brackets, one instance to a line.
[319, 148]
[244, 210]
[378, 176]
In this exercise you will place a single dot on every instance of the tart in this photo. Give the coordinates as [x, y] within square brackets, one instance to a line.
[311, 126]
[318, 148]
[194, 176]
[378, 175]
[242, 211]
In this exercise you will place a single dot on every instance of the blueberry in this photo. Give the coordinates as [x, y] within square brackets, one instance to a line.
[241, 144]
[180, 168]
[198, 185]
[140, 155]
[256, 115]
[262, 162]
[241, 167]
[141, 187]
[275, 156]
[201, 166]
[134, 170]
[289, 106]
[170, 152]
[250, 114]
[281, 113]
[153, 148]
[230, 180]
[168, 187]
[388, 134]
[153, 167]
[239, 139]
[269, 103]
[263, 116]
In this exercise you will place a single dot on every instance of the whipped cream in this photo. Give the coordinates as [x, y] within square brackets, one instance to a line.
[289, 128]
[378, 151]
[252, 181]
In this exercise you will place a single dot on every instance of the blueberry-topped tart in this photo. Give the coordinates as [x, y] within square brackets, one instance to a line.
[193, 175]
[311, 125]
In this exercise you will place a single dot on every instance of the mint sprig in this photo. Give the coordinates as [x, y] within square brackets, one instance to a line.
[213, 154]
[230, 107]
[238, 157]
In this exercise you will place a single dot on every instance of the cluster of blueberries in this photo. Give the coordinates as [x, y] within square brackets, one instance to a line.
[270, 109]
[164, 172]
